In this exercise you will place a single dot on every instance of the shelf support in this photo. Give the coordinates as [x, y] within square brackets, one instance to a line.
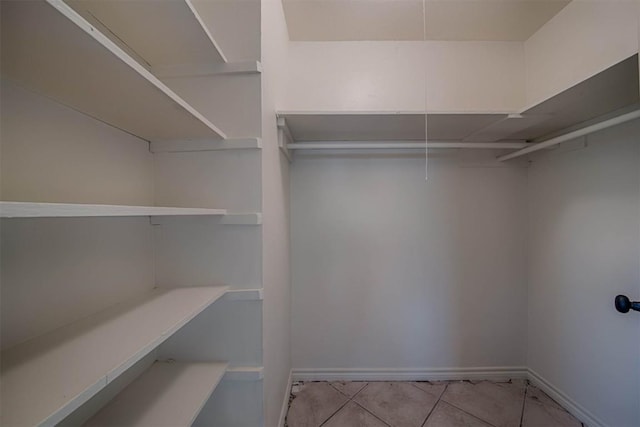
[203, 70]
[244, 373]
[205, 145]
[238, 218]
[573, 135]
[400, 145]
[284, 137]
[244, 295]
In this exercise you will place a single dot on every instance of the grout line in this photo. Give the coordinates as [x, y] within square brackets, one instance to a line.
[341, 392]
[337, 410]
[434, 405]
[368, 411]
[360, 391]
[336, 389]
[524, 402]
[471, 415]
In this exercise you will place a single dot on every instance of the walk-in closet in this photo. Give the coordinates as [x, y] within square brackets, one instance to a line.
[306, 213]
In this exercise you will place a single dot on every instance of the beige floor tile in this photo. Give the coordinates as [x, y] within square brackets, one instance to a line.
[314, 404]
[399, 404]
[350, 388]
[446, 415]
[433, 387]
[353, 415]
[542, 411]
[499, 404]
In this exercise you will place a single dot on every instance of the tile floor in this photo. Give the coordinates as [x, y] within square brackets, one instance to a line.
[424, 404]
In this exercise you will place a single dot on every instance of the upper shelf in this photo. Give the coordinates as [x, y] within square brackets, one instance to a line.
[382, 126]
[50, 49]
[54, 210]
[46, 378]
[612, 92]
[141, 27]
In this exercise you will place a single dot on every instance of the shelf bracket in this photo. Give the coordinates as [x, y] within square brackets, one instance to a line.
[178, 146]
[284, 137]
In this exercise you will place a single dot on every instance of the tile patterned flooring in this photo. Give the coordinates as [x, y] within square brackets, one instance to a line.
[513, 403]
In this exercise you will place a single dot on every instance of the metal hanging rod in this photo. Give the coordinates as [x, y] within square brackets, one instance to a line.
[396, 145]
[572, 135]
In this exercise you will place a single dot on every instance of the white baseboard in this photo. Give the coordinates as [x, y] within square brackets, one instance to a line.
[569, 404]
[285, 402]
[417, 374]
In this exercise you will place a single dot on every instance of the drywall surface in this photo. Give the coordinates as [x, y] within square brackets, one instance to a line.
[394, 272]
[584, 249]
[51, 153]
[586, 37]
[275, 228]
[390, 76]
[55, 271]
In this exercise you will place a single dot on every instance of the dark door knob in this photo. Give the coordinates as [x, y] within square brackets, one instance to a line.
[623, 305]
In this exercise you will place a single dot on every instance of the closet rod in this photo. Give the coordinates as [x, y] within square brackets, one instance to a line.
[572, 135]
[386, 145]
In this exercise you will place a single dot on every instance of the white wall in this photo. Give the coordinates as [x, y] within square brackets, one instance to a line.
[275, 229]
[51, 153]
[390, 76]
[584, 249]
[391, 272]
[55, 271]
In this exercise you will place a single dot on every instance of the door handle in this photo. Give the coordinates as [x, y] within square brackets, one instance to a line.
[623, 305]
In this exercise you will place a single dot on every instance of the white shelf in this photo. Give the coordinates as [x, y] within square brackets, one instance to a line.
[383, 126]
[167, 394]
[208, 145]
[244, 373]
[50, 49]
[244, 295]
[47, 210]
[230, 218]
[143, 26]
[46, 378]
[610, 93]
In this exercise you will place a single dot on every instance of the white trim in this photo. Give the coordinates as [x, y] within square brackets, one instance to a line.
[284, 137]
[565, 401]
[244, 295]
[203, 70]
[174, 146]
[204, 27]
[250, 218]
[398, 145]
[414, 374]
[244, 373]
[285, 403]
[283, 113]
[229, 218]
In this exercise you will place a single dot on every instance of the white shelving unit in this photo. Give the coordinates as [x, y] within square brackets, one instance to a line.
[46, 378]
[107, 83]
[168, 393]
[105, 60]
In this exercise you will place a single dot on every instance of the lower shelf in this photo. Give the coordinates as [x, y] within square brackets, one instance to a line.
[45, 379]
[168, 393]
